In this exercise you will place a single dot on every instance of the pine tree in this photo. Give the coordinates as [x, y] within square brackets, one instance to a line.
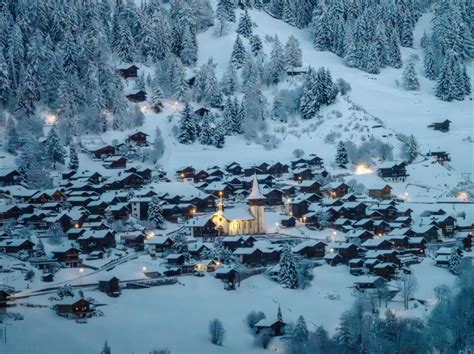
[409, 77]
[155, 213]
[256, 44]
[244, 27]
[293, 53]
[394, 56]
[309, 106]
[187, 126]
[454, 260]
[206, 131]
[13, 142]
[278, 112]
[230, 82]
[238, 53]
[219, 135]
[56, 234]
[39, 249]
[288, 274]
[429, 63]
[157, 96]
[180, 245]
[300, 333]
[189, 51]
[446, 88]
[54, 148]
[225, 10]
[276, 64]
[341, 155]
[372, 61]
[73, 158]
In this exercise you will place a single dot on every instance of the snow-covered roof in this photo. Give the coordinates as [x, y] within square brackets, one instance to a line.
[255, 194]
[238, 213]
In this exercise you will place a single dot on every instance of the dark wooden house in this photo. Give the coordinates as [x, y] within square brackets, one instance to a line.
[137, 97]
[130, 72]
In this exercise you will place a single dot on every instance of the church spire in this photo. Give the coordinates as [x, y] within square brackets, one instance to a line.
[255, 194]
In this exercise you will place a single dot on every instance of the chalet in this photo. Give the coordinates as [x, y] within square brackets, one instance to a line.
[68, 256]
[358, 236]
[234, 242]
[96, 240]
[277, 169]
[380, 192]
[381, 227]
[131, 71]
[138, 138]
[228, 275]
[429, 232]
[398, 242]
[441, 126]
[274, 328]
[139, 207]
[197, 248]
[134, 239]
[418, 244]
[288, 222]
[201, 176]
[75, 306]
[99, 152]
[118, 211]
[355, 210]
[158, 244]
[333, 259]
[298, 207]
[385, 270]
[115, 162]
[273, 197]
[9, 178]
[383, 256]
[202, 111]
[257, 255]
[144, 173]
[202, 226]
[175, 259]
[234, 168]
[47, 277]
[137, 97]
[377, 244]
[302, 174]
[369, 282]
[336, 189]
[446, 223]
[393, 171]
[346, 250]
[250, 171]
[111, 287]
[128, 180]
[310, 249]
[440, 156]
[186, 173]
[218, 189]
[309, 187]
[9, 212]
[16, 245]
[208, 265]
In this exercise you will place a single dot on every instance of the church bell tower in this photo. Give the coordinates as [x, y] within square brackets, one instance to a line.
[256, 202]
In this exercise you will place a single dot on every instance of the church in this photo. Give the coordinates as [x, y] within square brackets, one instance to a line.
[245, 220]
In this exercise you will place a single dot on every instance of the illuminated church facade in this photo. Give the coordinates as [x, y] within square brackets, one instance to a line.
[245, 220]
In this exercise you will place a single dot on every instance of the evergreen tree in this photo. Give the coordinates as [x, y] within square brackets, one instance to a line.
[180, 245]
[278, 112]
[155, 213]
[13, 142]
[244, 27]
[56, 234]
[309, 105]
[455, 260]
[429, 62]
[73, 158]
[288, 275]
[225, 10]
[410, 78]
[293, 53]
[276, 64]
[372, 62]
[300, 337]
[189, 51]
[219, 135]
[448, 88]
[256, 44]
[187, 126]
[206, 131]
[230, 82]
[341, 155]
[54, 148]
[39, 249]
[157, 96]
[238, 53]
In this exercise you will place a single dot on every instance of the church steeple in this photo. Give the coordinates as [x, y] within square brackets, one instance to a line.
[255, 197]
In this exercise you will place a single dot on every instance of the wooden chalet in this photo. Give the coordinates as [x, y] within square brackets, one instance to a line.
[274, 328]
[130, 72]
[138, 138]
[393, 171]
[440, 156]
[310, 249]
[99, 152]
[441, 126]
[9, 178]
[202, 226]
[111, 287]
[74, 306]
[68, 256]
[380, 192]
[137, 97]
[115, 162]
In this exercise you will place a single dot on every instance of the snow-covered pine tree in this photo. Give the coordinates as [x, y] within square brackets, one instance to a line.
[155, 213]
[39, 249]
[189, 51]
[230, 81]
[455, 260]
[13, 140]
[157, 96]
[410, 149]
[180, 244]
[288, 274]
[240, 118]
[276, 65]
[429, 62]
[54, 147]
[219, 135]
[73, 158]
[278, 111]
[187, 126]
[239, 53]
[56, 234]
[309, 105]
[225, 10]
[244, 27]
[158, 148]
[206, 132]
[256, 44]
[447, 88]
[372, 61]
[394, 56]
[410, 77]
[293, 53]
[300, 335]
[341, 155]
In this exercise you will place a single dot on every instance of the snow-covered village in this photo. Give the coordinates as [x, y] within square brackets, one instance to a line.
[236, 176]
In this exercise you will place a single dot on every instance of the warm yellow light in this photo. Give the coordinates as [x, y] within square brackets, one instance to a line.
[76, 226]
[143, 109]
[332, 250]
[464, 196]
[182, 175]
[144, 269]
[363, 169]
[51, 119]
